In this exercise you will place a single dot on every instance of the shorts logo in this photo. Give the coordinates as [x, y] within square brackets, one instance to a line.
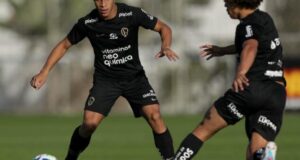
[234, 110]
[153, 99]
[270, 73]
[265, 121]
[91, 101]
[124, 32]
[150, 94]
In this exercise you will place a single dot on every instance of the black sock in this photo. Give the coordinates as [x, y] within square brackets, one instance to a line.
[164, 144]
[188, 148]
[77, 145]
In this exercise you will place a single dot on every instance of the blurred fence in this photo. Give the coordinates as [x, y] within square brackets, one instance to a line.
[187, 86]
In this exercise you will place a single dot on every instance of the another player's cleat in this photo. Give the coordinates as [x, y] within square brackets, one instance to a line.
[270, 151]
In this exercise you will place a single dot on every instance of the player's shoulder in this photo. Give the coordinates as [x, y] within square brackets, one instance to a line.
[259, 18]
[91, 17]
[122, 7]
[127, 11]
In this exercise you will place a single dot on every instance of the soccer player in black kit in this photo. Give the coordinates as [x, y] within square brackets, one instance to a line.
[112, 29]
[258, 89]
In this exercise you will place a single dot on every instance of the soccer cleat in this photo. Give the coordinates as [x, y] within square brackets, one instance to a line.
[270, 151]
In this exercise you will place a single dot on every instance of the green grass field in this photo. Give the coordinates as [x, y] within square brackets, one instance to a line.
[126, 138]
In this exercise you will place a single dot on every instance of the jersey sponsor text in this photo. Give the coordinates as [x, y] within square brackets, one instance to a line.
[125, 14]
[274, 73]
[93, 20]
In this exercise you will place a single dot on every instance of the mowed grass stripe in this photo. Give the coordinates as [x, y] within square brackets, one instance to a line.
[127, 138]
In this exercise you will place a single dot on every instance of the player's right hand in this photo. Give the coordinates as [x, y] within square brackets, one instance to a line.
[38, 80]
[169, 53]
[240, 82]
[209, 51]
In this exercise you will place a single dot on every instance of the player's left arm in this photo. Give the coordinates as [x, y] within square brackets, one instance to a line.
[247, 58]
[166, 41]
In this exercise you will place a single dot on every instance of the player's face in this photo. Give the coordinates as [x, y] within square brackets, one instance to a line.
[105, 8]
[232, 10]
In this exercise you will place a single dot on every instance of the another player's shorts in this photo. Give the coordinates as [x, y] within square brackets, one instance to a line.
[104, 93]
[262, 104]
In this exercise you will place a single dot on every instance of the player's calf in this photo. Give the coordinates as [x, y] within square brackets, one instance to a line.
[164, 144]
[188, 148]
[77, 145]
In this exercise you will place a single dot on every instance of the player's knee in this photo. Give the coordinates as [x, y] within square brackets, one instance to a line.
[89, 127]
[155, 117]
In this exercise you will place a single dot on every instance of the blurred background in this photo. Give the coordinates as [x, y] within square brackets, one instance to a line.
[29, 29]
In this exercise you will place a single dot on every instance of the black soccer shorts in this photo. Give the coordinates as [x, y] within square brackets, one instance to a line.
[104, 93]
[262, 103]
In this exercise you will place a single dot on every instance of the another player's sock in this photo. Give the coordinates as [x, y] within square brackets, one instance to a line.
[164, 144]
[188, 148]
[77, 145]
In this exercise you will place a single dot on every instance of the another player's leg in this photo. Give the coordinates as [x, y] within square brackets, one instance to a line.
[162, 137]
[210, 125]
[82, 134]
[261, 149]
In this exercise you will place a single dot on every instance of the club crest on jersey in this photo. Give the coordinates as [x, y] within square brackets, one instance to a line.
[124, 32]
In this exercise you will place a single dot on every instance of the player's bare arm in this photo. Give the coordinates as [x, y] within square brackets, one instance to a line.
[57, 53]
[247, 58]
[209, 51]
[166, 38]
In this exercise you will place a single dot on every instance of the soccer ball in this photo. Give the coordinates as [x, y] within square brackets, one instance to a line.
[44, 157]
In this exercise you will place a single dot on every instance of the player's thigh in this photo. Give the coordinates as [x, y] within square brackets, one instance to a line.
[265, 123]
[227, 110]
[232, 107]
[141, 97]
[212, 123]
[267, 120]
[102, 96]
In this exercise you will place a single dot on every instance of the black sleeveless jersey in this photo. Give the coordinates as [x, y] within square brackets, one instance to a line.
[268, 62]
[115, 41]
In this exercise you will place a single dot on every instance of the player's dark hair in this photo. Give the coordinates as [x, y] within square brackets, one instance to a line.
[251, 4]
